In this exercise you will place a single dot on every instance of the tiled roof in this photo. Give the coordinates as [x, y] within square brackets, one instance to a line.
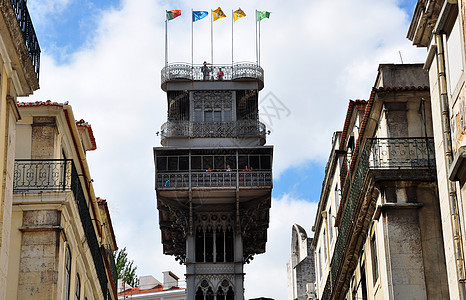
[136, 291]
[84, 124]
[41, 103]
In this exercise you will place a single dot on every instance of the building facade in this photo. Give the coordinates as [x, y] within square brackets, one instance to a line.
[378, 233]
[19, 76]
[213, 175]
[62, 239]
[300, 268]
[439, 26]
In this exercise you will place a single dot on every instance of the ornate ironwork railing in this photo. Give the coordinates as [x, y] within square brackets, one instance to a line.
[61, 175]
[195, 72]
[29, 34]
[378, 153]
[402, 153]
[213, 179]
[39, 174]
[242, 128]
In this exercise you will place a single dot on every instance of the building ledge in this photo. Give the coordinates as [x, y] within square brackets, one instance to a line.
[386, 206]
[458, 167]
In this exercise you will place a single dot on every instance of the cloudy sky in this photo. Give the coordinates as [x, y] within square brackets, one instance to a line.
[105, 57]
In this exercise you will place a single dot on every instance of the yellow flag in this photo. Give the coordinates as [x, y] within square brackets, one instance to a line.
[239, 13]
[218, 14]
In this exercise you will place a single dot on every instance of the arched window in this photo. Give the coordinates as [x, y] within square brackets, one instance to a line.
[78, 287]
[66, 292]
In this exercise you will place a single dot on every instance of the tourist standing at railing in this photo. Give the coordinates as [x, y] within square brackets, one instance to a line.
[220, 74]
[205, 71]
[228, 168]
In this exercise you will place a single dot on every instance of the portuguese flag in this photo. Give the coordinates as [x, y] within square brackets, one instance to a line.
[171, 14]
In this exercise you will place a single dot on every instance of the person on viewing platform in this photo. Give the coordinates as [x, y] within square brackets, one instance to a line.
[220, 74]
[205, 71]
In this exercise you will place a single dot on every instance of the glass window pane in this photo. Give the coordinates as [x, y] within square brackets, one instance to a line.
[173, 163]
[265, 162]
[219, 163]
[217, 116]
[196, 163]
[227, 116]
[231, 160]
[208, 116]
[198, 116]
[207, 162]
[161, 163]
[184, 163]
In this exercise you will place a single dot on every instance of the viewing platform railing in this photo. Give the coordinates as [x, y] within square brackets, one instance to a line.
[243, 128]
[199, 179]
[185, 71]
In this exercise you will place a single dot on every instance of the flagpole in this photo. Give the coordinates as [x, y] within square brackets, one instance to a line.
[232, 21]
[257, 59]
[166, 39]
[192, 42]
[212, 37]
[259, 51]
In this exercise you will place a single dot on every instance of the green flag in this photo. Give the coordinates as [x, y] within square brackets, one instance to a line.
[262, 15]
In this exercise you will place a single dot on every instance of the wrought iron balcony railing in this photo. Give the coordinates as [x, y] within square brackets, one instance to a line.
[402, 153]
[60, 175]
[42, 175]
[378, 153]
[185, 71]
[29, 34]
[244, 128]
[170, 180]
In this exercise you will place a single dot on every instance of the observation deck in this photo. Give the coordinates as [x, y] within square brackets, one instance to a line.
[244, 72]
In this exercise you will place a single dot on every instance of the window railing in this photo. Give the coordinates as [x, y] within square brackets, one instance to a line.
[243, 128]
[170, 180]
[29, 34]
[61, 175]
[187, 71]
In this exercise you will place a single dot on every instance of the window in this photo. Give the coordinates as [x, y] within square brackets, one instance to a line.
[330, 225]
[325, 246]
[374, 258]
[66, 292]
[454, 55]
[214, 246]
[320, 264]
[337, 196]
[78, 287]
[213, 107]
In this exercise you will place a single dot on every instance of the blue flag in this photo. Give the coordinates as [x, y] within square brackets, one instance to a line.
[198, 15]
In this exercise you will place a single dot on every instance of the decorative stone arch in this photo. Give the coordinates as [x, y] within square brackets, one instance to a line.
[298, 244]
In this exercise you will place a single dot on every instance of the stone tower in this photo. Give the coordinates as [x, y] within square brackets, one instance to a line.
[213, 175]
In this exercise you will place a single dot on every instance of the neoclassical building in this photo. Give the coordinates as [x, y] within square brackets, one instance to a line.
[378, 231]
[213, 175]
[61, 234]
[19, 76]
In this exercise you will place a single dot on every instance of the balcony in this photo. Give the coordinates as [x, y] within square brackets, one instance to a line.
[402, 158]
[385, 159]
[186, 72]
[244, 128]
[55, 175]
[28, 33]
[233, 179]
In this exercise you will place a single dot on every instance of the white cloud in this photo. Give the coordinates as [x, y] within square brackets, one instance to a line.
[266, 274]
[316, 56]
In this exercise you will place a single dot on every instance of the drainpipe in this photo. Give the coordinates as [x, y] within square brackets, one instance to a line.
[453, 200]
